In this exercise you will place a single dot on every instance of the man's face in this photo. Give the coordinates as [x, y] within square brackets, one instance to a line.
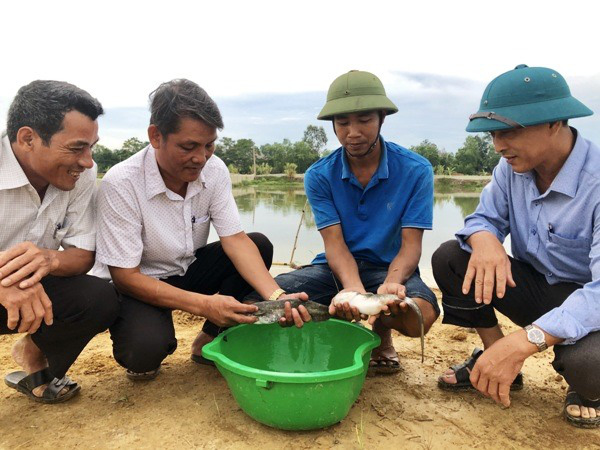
[357, 131]
[527, 148]
[182, 155]
[67, 155]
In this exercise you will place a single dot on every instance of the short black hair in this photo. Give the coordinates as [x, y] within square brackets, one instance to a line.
[180, 98]
[42, 105]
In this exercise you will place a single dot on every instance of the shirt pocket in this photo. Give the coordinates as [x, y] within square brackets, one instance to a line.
[569, 255]
[200, 230]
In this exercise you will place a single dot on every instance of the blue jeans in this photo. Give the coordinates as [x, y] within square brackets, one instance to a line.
[321, 285]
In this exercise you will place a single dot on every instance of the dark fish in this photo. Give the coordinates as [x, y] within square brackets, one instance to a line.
[273, 310]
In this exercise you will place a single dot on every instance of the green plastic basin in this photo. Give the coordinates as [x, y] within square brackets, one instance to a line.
[294, 378]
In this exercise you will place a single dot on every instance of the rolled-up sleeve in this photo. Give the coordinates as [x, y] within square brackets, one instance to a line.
[579, 315]
[80, 217]
[318, 192]
[119, 226]
[492, 212]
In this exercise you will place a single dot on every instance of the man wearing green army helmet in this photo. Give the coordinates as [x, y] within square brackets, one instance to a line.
[371, 200]
[545, 193]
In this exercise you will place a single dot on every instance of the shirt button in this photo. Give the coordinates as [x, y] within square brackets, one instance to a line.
[550, 274]
[537, 203]
[534, 232]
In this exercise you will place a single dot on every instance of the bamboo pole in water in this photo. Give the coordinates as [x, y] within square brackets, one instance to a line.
[292, 264]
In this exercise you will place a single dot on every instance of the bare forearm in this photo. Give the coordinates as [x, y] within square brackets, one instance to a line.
[407, 259]
[343, 265]
[404, 264]
[71, 262]
[156, 292]
[246, 258]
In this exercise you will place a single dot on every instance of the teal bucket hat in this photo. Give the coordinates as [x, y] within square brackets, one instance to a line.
[523, 97]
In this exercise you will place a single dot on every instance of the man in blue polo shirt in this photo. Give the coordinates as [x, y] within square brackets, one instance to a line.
[371, 200]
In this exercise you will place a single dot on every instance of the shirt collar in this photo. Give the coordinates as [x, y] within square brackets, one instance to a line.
[382, 171]
[154, 181]
[567, 180]
[11, 172]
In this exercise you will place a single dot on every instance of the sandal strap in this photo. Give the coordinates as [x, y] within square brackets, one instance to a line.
[462, 371]
[36, 379]
[573, 398]
[56, 386]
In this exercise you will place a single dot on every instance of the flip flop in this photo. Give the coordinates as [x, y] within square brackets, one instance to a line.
[573, 398]
[462, 372]
[199, 359]
[25, 384]
[142, 376]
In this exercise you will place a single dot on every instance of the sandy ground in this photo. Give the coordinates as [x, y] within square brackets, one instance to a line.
[190, 406]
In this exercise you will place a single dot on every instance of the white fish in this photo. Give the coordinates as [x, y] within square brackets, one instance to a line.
[371, 304]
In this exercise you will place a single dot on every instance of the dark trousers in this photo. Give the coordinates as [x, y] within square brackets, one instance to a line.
[83, 306]
[529, 300]
[144, 335]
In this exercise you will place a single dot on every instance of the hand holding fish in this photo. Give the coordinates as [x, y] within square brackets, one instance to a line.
[346, 311]
[294, 315]
[397, 289]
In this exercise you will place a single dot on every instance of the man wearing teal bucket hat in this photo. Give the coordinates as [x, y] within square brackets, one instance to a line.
[545, 193]
[371, 200]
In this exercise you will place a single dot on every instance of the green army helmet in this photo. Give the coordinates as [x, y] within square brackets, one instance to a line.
[353, 92]
[523, 97]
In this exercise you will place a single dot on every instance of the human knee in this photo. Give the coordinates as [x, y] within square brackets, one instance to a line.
[441, 258]
[265, 247]
[143, 353]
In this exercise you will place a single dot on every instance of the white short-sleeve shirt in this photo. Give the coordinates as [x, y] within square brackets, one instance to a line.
[62, 218]
[143, 223]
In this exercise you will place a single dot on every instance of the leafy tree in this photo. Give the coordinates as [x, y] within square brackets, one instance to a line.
[134, 145]
[476, 156]
[238, 153]
[315, 137]
[263, 169]
[428, 150]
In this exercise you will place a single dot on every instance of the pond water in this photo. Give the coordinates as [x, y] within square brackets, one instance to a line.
[277, 213]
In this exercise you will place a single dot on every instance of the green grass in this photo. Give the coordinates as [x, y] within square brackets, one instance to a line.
[449, 185]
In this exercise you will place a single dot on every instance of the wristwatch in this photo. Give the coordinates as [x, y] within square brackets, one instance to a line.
[536, 337]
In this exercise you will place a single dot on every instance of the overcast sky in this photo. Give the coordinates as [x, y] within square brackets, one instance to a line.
[268, 64]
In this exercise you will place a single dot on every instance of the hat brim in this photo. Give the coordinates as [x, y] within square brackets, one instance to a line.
[356, 104]
[532, 114]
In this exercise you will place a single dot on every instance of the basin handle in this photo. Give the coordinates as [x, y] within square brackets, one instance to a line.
[264, 383]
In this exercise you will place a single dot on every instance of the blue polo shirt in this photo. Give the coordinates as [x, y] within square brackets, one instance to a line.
[399, 195]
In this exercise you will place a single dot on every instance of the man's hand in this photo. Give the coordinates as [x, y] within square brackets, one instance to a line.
[498, 366]
[395, 308]
[346, 312]
[26, 263]
[293, 316]
[488, 266]
[30, 306]
[226, 311]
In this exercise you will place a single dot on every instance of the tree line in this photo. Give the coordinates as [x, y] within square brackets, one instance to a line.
[475, 157]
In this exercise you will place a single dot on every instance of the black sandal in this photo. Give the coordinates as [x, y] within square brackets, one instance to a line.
[573, 398]
[25, 384]
[463, 372]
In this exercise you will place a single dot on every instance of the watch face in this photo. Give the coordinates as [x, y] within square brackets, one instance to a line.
[535, 336]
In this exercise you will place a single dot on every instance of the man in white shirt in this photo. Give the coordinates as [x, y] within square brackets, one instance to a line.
[154, 213]
[47, 186]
